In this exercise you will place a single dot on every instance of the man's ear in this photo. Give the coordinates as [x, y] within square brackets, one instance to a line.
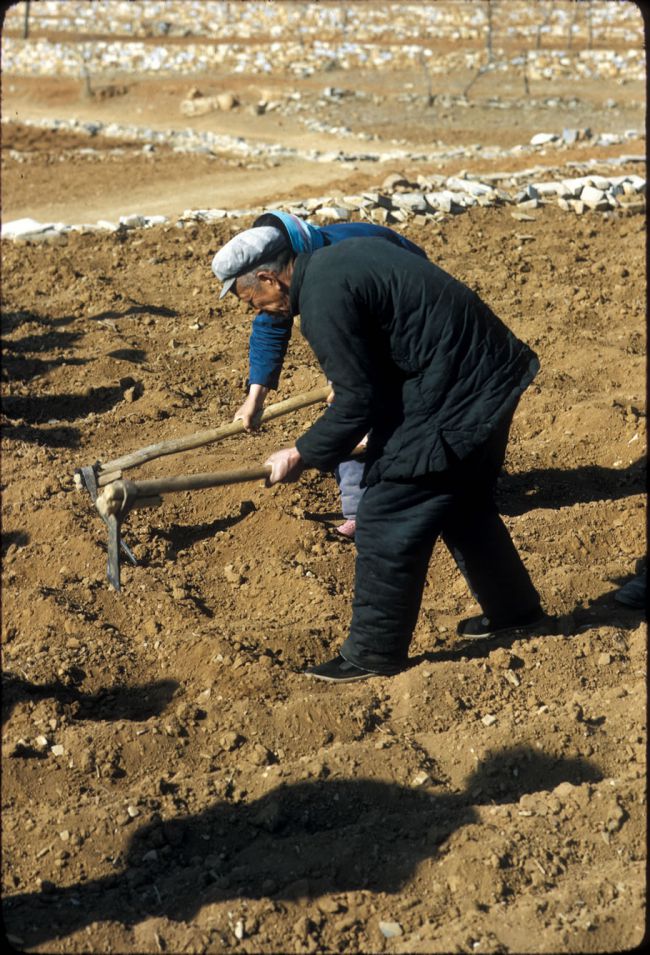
[269, 277]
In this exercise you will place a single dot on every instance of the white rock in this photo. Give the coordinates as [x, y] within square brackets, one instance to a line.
[390, 929]
[573, 187]
[439, 200]
[421, 779]
[133, 221]
[475, 188]
[358, 202]
[590, 195]
[414, 201]
[469, 186]
[488, 719]
[540, 139]
[608, 139]
[335, 213]
[22, 227]
[600, 182]
[546, 188]
[637, 183]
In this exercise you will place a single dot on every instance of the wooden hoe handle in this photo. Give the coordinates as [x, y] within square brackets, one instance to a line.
[199, 438]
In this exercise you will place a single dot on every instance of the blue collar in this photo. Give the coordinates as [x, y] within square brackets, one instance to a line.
[303, 236]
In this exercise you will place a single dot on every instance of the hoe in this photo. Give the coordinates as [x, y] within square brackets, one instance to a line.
[115, 496]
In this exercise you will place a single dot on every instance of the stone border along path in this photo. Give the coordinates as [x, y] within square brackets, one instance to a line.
[190, 140]
[428, 199]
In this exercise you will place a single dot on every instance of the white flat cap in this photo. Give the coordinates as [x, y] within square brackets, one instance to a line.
[246, 251]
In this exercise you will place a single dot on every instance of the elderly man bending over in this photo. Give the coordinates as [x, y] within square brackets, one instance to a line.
[419, 362]
[270, 334]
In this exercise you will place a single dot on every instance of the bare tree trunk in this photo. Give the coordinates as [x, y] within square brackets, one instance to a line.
[26, 21]
[540, 26]
[590, 25]
[430, 99]
[488, 38]
[572, 23]
[525, 75]
[480, 71]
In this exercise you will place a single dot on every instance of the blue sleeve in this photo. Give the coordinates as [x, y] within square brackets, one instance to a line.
[267, 347]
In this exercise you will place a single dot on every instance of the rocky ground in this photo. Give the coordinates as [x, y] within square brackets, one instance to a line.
[171, 780]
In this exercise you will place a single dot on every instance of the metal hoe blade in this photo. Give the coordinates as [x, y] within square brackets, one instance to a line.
[89, 477]
[113, 568]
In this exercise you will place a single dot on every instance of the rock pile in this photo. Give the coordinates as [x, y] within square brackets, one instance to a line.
[428, 199]
[446, 20]
[45, 57]
[197, 104]
[207, 142]
[305, 38]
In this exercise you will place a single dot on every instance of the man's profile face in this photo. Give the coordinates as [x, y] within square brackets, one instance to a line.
[267, 294]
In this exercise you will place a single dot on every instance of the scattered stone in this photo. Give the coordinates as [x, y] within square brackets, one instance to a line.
[328, 906]
[421, 779]
[334, 213]
[231, 741]
[303, 927]
[501, 657]
[390, 929]
[260, 755]
[541, 139]
[232, 575]
[269, 816]
[488, 720]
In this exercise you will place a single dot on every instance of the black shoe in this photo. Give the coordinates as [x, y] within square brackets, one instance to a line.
[477, 627]
[339, 670]
[634, 592]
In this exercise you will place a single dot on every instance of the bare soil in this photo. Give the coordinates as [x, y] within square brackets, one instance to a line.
[172, 782]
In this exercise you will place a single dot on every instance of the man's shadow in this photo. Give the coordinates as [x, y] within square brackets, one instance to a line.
[136, 703]
[303, 839]
[553, 488]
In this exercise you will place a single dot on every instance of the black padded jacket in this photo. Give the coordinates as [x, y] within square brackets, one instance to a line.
[415, 357]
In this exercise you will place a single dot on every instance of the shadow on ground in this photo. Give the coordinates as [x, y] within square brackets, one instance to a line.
[21, 359]
[160, 310]
[557, 487]
[114, 703]
[37, 409]
[301, 840]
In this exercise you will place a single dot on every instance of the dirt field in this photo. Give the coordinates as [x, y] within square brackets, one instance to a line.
[172, 782]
